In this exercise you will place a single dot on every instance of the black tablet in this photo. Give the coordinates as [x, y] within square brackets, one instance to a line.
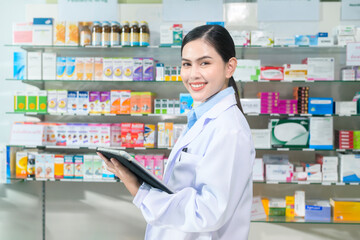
[135, 167]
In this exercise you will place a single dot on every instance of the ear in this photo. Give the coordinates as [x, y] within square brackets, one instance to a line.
[230, 67]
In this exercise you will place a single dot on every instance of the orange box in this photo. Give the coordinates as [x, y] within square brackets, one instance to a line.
[147, 102]
[59, 33]
[98, 69]
[126, 135]
[115, 101]
[290, 205]
[135, 102]
[345, 209]
[169, 133]
[80, 68]
[265, 203]
[72, 33]
[59, 167]
[125, 106]
[89, 69]
[21, 164]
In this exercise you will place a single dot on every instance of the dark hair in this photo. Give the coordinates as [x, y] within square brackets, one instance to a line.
[220, 39]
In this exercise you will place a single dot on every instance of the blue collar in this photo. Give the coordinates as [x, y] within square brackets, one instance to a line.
[199, 111]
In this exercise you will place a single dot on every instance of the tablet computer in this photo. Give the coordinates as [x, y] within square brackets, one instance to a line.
[135, 167]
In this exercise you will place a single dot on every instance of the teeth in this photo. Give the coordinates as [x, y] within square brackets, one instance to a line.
[197, 85]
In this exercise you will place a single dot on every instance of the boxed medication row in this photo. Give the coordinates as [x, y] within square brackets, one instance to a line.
[34, 101]
[87, 167]
[167, 106]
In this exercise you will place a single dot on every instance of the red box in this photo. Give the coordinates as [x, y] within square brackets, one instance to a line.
[137, 134]
[126, 135]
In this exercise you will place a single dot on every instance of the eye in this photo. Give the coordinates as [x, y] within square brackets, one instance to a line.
[204, 63]
[186, 64]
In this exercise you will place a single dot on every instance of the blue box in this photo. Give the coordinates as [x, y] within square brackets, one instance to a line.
[186, 103]
[323, 34]
[216, 23]
[321, 106]
[317, 212]
[313, 40]
[302, 40]
[19, 65]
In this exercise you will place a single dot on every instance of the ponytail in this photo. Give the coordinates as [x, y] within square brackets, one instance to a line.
[237, 96]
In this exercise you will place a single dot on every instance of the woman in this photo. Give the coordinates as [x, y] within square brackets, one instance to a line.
[210, 166]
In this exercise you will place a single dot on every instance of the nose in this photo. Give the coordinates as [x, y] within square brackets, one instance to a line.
[194, 72]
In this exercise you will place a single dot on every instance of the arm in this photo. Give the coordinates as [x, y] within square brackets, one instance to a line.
[222, 175]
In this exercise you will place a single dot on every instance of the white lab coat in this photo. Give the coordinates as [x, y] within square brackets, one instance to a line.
[212, 181]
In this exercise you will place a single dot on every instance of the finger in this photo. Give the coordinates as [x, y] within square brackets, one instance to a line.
[102, 157]
[120, 167]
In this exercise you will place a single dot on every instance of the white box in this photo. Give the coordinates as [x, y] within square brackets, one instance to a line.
[261, 138]
[329, 168]
[251, 105]
[299, 207]
[170, 108]
[321, 68]
[315, 167]
[345, 108]
[241, 38]
[321, 133]
[277, 172]
[105, 134]
[166, 35]
[314, 176]
[330, 160]
[293, 72]
[262, 38]
[49, 166]
[325, 41]
[300, 176]
[258, 170]
[88, 166]
[284, 41]
[349, 167]
[52, 101]
[348, 74]
[84, 135]
[128, 66]
[62, 101]
[161, 135]
[247, 70]
[83, 102]
[49, 66]
[72, 102]
[330, 177]
[344, 40]
[346, 30]
[118, 70]
[108, 66]
[43, 31]
[34, 65]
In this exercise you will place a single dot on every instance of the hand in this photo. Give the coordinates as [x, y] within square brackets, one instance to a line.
[128, 178]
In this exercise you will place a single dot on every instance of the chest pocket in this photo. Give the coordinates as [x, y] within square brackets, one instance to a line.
[184, 173]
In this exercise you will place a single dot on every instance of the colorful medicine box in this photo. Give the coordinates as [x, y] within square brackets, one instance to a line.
[321, 106]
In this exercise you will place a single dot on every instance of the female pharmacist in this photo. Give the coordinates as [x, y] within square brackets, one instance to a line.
[210, 166]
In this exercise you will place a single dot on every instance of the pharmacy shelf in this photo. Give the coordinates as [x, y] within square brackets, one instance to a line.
[117, 180]
[169, 148]
[37, 81]
[178, 115]
[84, 148]
[310, 183]
[102, 115]
[28, 81]
[283, 219]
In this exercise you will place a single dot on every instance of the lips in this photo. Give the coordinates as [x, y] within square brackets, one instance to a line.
[197, 86]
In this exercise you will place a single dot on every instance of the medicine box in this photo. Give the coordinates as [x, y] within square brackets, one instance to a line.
[49, 166]
[69, 166]
[89, 69]
[78, 166]
[262, 38]
[58, 166]
[247, 70]
[258, 170]
[22, 33]
[40, 166]
[349, 167]
[62, 101]
[20, 101]
[295, 72]
[98, 69]
[49, 66]
[83, 102]
[279, 172]
[320, 106]
[261, 138]
[42, 31]
[320, 68]
[186, 103]
[97, 163]
[289, 133]
[138, 69]
[31, 101]
[59, 32]
[19, 69]
[272, 73]
[318, 211]
[72, 33]
[80, 68]
[61, 68]
[108, 69]
[34, 65]
[241, 38]
[345, 209]
[70, 68]
[41, 101]
[345, 108]
[21, 164]
[88, 167]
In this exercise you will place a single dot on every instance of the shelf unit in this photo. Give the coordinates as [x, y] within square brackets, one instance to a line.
[171, 55]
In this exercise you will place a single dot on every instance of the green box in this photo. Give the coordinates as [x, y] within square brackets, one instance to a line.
[164, 106]
[357, 139]
[31, 101]
[97, 163]
[157, 106]
[177, 34]
[42, 102]
[289, 133]
[20, 102]
[277, 211]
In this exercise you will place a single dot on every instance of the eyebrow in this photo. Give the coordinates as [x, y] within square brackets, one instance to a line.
[199, 59]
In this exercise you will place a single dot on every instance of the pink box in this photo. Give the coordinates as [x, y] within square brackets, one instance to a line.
[115, 135]
[126, 135]
[159, 166]
[22, 33]
[94, 132]
[137, 134]
[94, 102]
[105, 135]
[140, 158]
[149, 162]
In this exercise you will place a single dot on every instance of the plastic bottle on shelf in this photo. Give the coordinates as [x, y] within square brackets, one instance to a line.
[134, 33]
[125, 34]
[105, 36]
[85, 34]
[144, 34]
[96, 34]
[115, 34]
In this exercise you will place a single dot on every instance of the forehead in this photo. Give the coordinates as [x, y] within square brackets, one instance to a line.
[198, 48]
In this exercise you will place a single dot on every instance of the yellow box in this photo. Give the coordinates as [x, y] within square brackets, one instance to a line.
[72, 33]
[290, 204]
[59, 33]
[345, 209]
[169, 133]
[265, 203]
[21, 164]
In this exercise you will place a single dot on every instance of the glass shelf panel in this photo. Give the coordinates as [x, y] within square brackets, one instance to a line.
[97, 81]
[283, 219]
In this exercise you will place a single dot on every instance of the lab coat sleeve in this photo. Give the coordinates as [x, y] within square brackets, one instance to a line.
[221, 179]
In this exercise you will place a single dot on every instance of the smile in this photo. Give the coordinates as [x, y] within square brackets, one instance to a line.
[197, 86]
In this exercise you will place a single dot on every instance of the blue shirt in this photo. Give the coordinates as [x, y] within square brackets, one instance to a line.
[197, 112]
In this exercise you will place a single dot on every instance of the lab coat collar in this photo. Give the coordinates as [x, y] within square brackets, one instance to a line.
[214, 112]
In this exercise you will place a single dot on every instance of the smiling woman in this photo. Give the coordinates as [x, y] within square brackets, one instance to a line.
[210, 166]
